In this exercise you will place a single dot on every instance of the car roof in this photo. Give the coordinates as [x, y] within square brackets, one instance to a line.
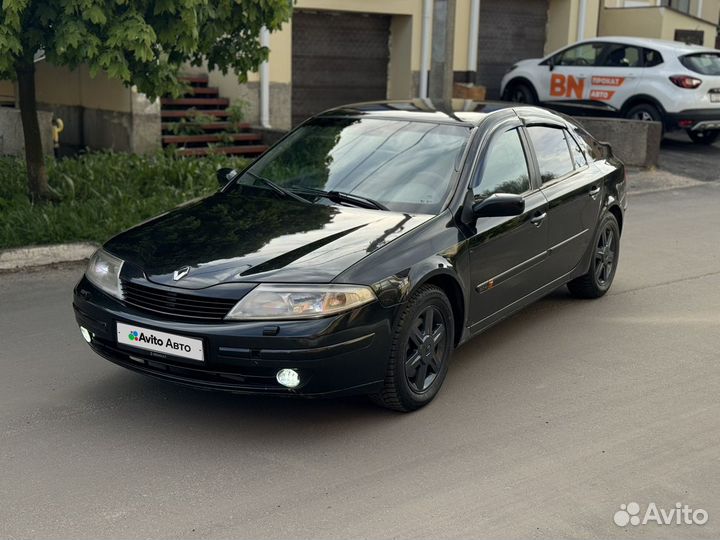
[457, 111]
[674, 47]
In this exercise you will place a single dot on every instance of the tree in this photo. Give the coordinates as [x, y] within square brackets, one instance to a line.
[138, 42]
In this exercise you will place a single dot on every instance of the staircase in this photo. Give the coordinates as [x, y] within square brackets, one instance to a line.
[198, 124]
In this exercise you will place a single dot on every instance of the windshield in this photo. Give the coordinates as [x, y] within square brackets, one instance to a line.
[704, 63]
[405, 166]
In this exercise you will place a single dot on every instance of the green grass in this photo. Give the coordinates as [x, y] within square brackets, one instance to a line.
[101, 194]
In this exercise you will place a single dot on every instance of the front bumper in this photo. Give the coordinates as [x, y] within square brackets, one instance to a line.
[694, 119]
[344, 354]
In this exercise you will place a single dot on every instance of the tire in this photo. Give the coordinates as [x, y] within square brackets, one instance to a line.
[418, 352]
[606, 254]
[703, 137]
[646, 112]
[521, 93]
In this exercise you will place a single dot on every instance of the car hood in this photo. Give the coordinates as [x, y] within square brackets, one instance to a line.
[241, 236]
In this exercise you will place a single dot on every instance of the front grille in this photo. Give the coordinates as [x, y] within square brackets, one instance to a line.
[176, 304]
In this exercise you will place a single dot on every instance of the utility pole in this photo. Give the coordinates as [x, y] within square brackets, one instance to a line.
[441, 63]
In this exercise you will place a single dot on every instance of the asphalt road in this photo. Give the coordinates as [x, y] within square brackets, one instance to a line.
[679, 155]
[545, 426]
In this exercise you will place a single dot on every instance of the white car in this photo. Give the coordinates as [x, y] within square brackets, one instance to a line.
[645, 79]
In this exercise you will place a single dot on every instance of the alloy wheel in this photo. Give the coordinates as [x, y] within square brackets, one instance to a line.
[605, 256]
[425, 350]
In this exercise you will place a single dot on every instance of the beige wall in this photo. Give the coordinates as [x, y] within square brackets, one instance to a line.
[652, 23]
[562, 28]
[710, 8]
[75, 88]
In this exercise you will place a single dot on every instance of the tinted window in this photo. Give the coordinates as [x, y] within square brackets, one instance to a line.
[576, 152]
[504, 169]
[592, 149]
[587, 54]
[704, 63]
[652, 58]
[552, 152]
[618, 55]
[407, 166]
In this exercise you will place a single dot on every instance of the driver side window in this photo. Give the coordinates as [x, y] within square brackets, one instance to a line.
[587, 54]
[505, 168]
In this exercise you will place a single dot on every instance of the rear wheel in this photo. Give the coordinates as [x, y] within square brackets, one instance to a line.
[521, 93]
[601, 273]
[423, 341]
[703, 137]
[646, 112]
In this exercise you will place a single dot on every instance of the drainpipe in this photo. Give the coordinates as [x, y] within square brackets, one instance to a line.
[582, 15]
[473, 37]
[700, 9]
[425, 47]
[265, 82]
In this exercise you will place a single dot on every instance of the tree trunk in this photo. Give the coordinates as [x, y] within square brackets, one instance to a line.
[38, 188]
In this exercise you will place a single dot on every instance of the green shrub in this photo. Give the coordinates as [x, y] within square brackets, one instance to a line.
[101, 194]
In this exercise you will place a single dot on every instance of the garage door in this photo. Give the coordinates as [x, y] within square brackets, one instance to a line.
[510, 30]
[337, 58]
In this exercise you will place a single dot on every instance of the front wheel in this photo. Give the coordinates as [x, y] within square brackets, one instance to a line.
[423, 340]
[703, 137]
[606, 251]
[521, 93]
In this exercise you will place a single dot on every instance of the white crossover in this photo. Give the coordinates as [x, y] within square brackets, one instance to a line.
[645, 79]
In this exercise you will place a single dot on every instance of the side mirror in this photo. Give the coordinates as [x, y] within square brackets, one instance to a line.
[551, 64]
[498, 205]
[225, 175]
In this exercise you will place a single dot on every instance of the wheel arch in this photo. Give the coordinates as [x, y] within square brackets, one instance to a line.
[639, 99]
[614, 209]
[520, 79]
[451, 286]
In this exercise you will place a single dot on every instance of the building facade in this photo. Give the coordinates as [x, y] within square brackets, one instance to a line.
[339, 51]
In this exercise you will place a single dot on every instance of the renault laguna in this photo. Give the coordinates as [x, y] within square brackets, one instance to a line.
[358, 252]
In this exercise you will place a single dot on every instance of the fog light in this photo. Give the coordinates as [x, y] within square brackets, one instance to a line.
[86, 334]
[288, 378]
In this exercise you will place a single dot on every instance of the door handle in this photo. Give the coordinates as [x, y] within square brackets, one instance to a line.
[538, 218]
[594, 192]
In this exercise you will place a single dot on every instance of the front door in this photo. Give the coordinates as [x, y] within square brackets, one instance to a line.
[507, 254]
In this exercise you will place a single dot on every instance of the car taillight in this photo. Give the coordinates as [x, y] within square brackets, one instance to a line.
[683, 81]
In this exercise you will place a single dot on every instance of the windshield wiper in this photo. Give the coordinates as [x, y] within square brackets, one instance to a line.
[278, 189]
[343, 197]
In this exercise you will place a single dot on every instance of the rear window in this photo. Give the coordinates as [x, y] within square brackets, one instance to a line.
[703, 63]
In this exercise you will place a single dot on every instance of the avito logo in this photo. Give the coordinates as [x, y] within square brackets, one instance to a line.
[629, 514]
[142, 337]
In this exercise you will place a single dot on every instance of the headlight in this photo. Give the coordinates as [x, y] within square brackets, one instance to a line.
[103, 271]
[299, 301]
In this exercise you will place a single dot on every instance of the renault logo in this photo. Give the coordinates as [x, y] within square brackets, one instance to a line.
[180, 273]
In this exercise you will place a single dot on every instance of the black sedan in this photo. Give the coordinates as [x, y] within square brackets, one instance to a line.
[359, 251]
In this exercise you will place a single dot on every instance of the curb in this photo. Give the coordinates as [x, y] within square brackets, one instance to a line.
[14, 259]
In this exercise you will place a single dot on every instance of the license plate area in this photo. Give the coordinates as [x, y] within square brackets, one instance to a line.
[714, 95]
[146, 339]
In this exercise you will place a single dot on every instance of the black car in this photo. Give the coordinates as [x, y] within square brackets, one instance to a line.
[359, 251]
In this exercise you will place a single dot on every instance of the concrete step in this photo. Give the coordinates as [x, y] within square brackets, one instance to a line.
[198, 80]
[204, 91]
[211, 126]
[246, 150]
[195, 102]
[210, 138]
[189, 113]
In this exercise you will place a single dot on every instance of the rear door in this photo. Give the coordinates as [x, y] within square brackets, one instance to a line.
[572, 187]
[507, 254]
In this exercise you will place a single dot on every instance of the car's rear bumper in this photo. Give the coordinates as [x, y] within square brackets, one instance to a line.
[694, 119]
[344, 354]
